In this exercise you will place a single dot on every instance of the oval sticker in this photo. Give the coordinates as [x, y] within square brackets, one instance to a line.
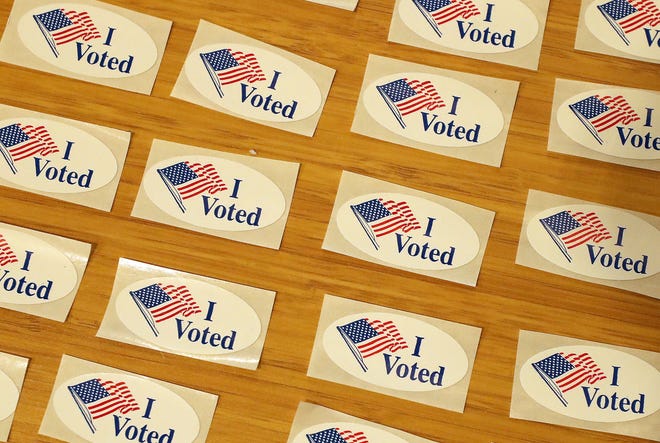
[102, 406]
[630, 27]
[345, 432]
[9, 396]
[431, 109]
[596, 241]
[472, 25]
[613, 122]
[187, 315]
[408, 231]
[214, 193]
[253, 82]
[32, 271]
[48, 156]
[395, 352]
[87, 40]
[592, 383]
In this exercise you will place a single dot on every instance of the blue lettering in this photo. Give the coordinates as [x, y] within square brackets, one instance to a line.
[103, 60]
[204, 336]
[425, 251]
[413, 372]
[486, 36]
[142, 434]
[63, 174]
[646, 141]
[617, 261]
[613, 401]
[267, 103]
[650, 40]
[230, 213]
[450, 129]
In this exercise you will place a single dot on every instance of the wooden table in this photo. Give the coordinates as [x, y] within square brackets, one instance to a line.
[259, 405]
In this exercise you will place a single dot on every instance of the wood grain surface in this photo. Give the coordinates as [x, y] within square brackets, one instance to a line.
[258, 406]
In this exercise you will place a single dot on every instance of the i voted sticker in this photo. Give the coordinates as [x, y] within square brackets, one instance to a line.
[253, 82]
[596, 241]
[49, 156]
[630, 26]
[110, 407]
[395, 351]
[407, 230]
[433, 109]
[214, 193]
[32, 271]
[345, 432]
[592, 383]
[613, 121]
[188, 316]
[475, 26]
[88, 40]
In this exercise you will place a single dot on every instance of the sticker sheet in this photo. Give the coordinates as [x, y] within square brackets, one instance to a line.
[342, 4]
[588, 385]
[239, 197]
[405, 355]
[40, 273]
[93, 402]
[451, 113]
[607, 123]
[622, 28]
[591, 242]
[500, 31]
[406, 229]
[60, 158]
[240, 76]
[317, 424]
[88, 40]
[12, 374]
[186, 314]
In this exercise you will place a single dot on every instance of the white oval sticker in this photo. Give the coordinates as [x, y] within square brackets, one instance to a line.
[253, 82]
[630, 27]
[9, 396]
[408, 231]
[187, 315]
[214, 193]
[596, 241]
[613, 122]
[53, 157]
[476, 26]
[395, 352]
[87, 40]
[345, 432]
[32, 271]
[592, 383]
[431, 109]
[102, 407]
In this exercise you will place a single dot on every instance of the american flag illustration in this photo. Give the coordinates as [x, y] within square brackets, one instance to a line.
[166, 301]
[439, 12]
[60, 26]
[366, 338]
[404, 97]
[97, 398]
[226, 66]
[626, 16]
[380, 217]
[599, 113]
[563, 372]
[19, 141]
[7, 256]
[570, 229]
[186, 180]
[337, 435]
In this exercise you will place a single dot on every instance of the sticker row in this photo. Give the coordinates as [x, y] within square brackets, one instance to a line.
[558, 380]
[247, 199]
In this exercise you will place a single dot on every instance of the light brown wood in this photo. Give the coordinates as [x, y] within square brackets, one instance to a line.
[259, 405]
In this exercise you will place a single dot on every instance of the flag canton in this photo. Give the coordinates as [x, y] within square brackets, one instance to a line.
[398, 90]
[327, 436]
[12, 135]
[179, 173]
[372, 210]
[433, 5]
[359, 330]
[555, 365]
[220, 60]
[54, 20]
[561, 222]
[90, 391]
[152, 295]
[590, 107]
[618, 9]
